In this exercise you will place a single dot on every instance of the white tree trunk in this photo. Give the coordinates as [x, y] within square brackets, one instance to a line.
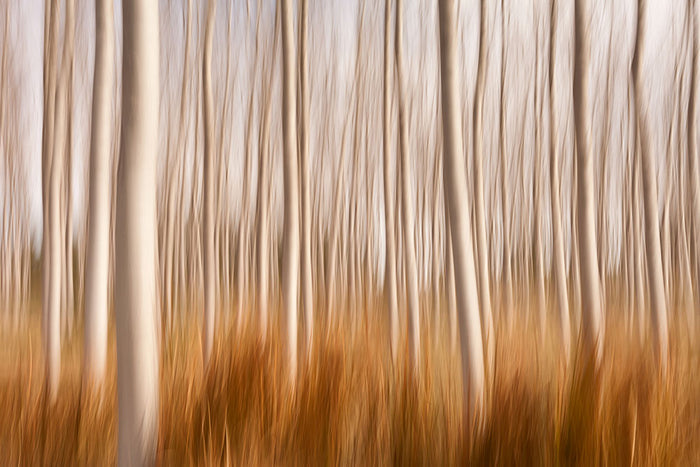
[407, 202]
[456, 198]
[97, 261]
[290, 260]
[482, 245]
[591, 313]
[390, 263]
[306, 276]
[135, 247]
[652, 235]
[209, 259]
[555, 183]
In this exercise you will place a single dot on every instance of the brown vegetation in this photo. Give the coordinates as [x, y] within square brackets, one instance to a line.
[350, 407]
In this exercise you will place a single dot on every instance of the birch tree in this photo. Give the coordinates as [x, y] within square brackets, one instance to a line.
[97, 261]
[555, 184]
[306, 273]
[210, 260]
[456, 198]
[290, 260]
[652, 236]
[482, 245]
[135, 248]
[407, 203]
[591, 313]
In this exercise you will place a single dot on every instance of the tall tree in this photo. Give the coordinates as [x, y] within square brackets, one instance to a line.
[456, 197]
[555, 182]
[481, 243]
[290, 260]
[135, 247]
[50, 321]
[306, 277]
[651, 214]
[591, 312]
[209, 259]
[97, 261]
[407, 203]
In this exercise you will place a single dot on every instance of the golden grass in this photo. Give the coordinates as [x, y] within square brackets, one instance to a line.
[350, 406]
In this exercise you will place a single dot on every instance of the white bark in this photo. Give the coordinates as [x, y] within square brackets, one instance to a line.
[407, 202]
[456, 198]
[482, 244]
[209, 259]
[97, 261]
[290, 260]
[591, 313]
[555, 186]
[652, 235]
[135, 248]
[306, 276]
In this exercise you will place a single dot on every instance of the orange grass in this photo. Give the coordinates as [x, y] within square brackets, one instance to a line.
[350, 406]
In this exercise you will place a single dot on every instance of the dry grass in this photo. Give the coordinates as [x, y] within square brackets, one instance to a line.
[351, 407]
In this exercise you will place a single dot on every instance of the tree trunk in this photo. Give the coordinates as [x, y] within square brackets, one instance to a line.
[306, 277]
[651, 214]
[482, 252]
[591, 312]
[49, 306]
[209, 257]
[456, 198]
[97, 265]
[135, 248]
[407, 202]
[290, 260]
[555, 186]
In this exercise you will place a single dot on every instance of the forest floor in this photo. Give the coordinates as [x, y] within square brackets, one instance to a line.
[350, 406]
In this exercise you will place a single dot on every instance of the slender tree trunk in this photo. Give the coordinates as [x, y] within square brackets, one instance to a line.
[407, 201]
[591, 315]
[481, 243]
[306, 276]
[135, 248]
[209, 259]
[97, 265]
[651, 214]
[694, 154]
[555, 186]
[290, 261]
[456, 199]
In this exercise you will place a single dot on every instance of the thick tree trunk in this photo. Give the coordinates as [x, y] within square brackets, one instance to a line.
[209, 259]
[135, 248]
[651, 214]
[407, 201]
[591, 313]
[456, 199]
[97, 264]
[290, 260]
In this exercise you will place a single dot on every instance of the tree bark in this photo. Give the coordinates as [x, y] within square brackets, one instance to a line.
[651, 214]
[482, 244]
[456, 198]
[290, 260]
[306, 270]
[407, 202]
[97, 265]
[135, 248]
[209, 258]
[591, 313]
[555, 187]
